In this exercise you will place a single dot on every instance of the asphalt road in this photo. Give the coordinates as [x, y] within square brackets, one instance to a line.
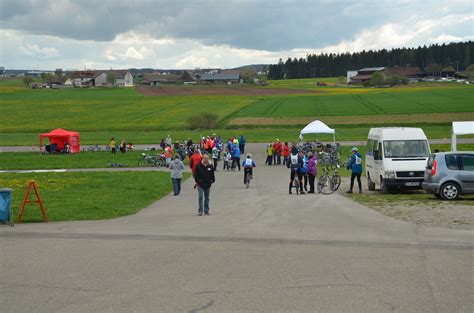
[260, 250]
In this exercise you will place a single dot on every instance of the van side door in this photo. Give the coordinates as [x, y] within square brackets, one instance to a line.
[378, 162]
[466, 175]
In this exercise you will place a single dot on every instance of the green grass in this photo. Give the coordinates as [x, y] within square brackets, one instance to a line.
[25, 110]
[369, 102]
[31, 160]
[87, 196]
[99, 114]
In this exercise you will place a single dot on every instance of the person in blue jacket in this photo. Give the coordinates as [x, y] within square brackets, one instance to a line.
[304, 170]
[355, 164]
[242, 144]
[248, 165]
[235, 156]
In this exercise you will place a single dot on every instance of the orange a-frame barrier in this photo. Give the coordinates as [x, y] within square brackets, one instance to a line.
[26, 201]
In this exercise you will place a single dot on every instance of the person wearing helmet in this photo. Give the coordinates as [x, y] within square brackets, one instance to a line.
[248, 164]
[295, 165]
[355, 164]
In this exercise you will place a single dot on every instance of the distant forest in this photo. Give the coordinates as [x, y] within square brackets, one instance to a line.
[456, 56]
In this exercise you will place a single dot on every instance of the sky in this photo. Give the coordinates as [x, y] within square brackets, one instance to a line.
[186, 34]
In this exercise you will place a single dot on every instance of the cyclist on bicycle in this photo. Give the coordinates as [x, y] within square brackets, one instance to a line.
[295, 165]
[248, 165]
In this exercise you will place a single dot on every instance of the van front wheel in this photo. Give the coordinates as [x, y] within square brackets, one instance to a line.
[370, 183]
[383, 186]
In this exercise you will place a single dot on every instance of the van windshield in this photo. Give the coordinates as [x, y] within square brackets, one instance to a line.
[406, 148]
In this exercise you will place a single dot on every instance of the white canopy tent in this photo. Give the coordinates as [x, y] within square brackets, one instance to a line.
[318, 127]
[461, 128]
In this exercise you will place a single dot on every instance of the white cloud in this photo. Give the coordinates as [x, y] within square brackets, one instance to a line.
[35, 50]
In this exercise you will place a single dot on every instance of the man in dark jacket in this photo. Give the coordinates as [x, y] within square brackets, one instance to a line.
[204, 177]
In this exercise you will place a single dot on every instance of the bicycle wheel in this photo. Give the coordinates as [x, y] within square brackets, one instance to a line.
[336, 182]
[247, 182]
[158, 162]
[296, 184]
[142, 162]
[324, 185]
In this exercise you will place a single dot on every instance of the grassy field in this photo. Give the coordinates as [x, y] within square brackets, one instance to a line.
[99, 114]
[87, 196]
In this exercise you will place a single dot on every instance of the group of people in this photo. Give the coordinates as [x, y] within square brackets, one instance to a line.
[303, 166]
[276, 152]
[123, 146]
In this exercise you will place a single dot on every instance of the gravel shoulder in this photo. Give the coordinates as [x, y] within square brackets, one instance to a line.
[419, 208]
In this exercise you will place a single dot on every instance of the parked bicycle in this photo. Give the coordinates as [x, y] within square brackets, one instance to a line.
[148, 160]
[330, 181]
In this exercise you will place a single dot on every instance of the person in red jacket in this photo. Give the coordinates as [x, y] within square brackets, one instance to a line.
[195, 160]
[285, 153]
[277, 152]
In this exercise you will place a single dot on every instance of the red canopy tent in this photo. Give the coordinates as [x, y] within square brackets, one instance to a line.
[60, 136]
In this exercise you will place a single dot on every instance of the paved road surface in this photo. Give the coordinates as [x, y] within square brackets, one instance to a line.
[251, 146]
[260, 250]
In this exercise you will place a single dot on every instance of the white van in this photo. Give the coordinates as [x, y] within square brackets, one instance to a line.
[396, 157]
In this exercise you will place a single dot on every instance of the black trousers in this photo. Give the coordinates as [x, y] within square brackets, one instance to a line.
[311, 182]
[215, 164]
[236, 160]
[300, 179]
[353, 176]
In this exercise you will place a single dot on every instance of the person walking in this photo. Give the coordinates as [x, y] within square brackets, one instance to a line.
[355, 164]
[242, 144]
[112, 145]
[312, 171]
[204, 178]
[215, 157]
[177, 168]
[194, 160]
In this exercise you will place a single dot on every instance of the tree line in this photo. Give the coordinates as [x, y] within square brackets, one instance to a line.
[454, 55]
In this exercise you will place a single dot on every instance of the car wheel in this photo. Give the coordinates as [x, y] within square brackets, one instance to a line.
[383, 186]
[449, 191]
[370, 183]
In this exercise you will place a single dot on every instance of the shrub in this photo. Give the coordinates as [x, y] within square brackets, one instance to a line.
[203, 120]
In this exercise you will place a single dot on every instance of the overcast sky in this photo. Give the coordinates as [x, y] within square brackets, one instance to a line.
[216, 33]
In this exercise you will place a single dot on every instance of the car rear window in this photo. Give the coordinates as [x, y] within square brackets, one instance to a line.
[452, 162]
[468, 162]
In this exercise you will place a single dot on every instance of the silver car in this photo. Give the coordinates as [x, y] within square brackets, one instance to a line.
[449, 174]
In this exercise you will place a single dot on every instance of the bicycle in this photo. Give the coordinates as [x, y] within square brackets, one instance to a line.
[148, 160]
[328, 184]
[248, 177]
[296, 183]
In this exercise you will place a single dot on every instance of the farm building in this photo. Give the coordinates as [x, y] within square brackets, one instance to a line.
[220, 78]
[121, 78]
[364, 75]
[156, 79]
